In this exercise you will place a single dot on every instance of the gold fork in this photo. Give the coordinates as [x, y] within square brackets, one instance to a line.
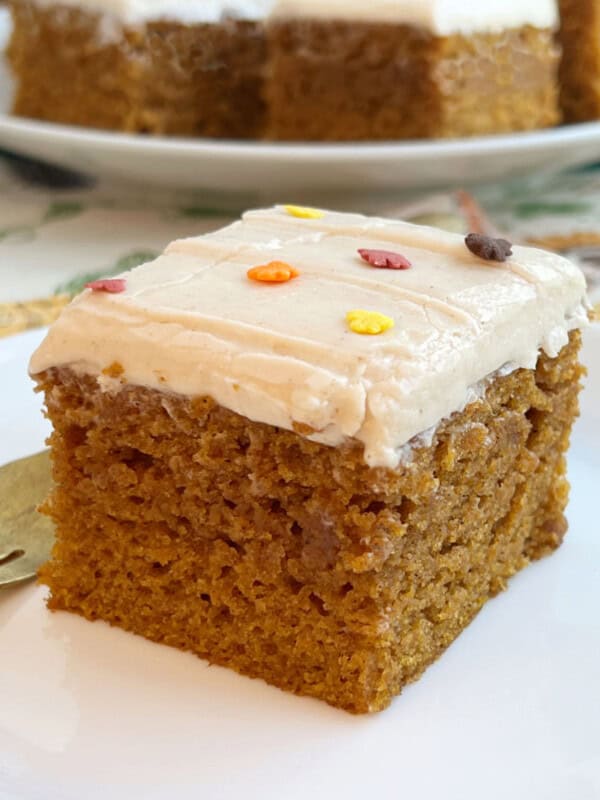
[26, 536]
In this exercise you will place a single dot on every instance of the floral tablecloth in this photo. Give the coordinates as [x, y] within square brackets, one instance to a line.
[58, 230]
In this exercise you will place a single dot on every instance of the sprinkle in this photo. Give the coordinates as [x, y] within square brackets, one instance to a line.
[488, 248]
[369, 323]
[304, 213]
[110, 285]
[384, 259]
[273, 272]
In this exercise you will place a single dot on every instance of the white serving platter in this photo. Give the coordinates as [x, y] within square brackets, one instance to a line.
[509, 711]
[260, 172]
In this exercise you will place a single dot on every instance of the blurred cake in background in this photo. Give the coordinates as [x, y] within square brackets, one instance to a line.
[288, 70]
[580, 66]
[343, 69]
[147, 66]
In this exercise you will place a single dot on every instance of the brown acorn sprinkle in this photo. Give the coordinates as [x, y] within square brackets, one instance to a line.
[488, 248]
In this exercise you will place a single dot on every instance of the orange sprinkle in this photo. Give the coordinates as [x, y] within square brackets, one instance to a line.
[273, 272]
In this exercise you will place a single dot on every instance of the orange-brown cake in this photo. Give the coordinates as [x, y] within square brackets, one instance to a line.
[286, 69]
[580, 65]
[310, 446]
[157, 67]
[349, 70]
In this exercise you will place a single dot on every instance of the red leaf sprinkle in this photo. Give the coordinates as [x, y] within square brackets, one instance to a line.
[110, 285]
[383, 259]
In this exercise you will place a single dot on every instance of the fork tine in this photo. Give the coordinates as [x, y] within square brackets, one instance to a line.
[26, 537]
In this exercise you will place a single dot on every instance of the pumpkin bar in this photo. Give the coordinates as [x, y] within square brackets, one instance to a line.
[352, 70]
[580, 65]
[139, 67]
[310, 446]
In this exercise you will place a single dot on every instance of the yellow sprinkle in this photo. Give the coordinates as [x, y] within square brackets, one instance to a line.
[370, 323]
[304, 213]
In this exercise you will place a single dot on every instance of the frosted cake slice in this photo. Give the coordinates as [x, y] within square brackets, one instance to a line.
[350, 70]
[580, 63]
[310, 446]
[191, 68]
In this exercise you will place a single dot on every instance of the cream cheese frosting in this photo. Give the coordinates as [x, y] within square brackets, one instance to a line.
[442, 17]
[138, 12]
[192, 323]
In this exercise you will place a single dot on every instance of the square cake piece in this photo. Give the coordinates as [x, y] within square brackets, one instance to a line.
[142, 67]
[310, 446]
[431, 69]
[580, 64]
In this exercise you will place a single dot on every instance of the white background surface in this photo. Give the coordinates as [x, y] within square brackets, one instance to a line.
[254, 173]
[512, 709]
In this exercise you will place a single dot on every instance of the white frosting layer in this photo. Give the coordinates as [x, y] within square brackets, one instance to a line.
[443, 17]
[440, 16]
[192, 323]
[138, 12]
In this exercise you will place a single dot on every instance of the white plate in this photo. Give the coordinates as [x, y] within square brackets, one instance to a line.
[256, 172]
[510, 711]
